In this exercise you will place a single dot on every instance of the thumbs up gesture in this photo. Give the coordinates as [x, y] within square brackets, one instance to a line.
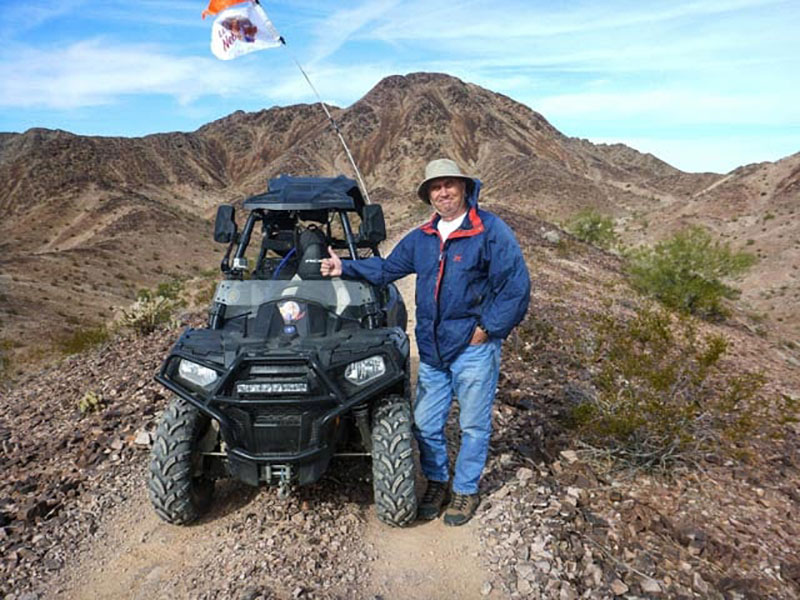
[331, 267]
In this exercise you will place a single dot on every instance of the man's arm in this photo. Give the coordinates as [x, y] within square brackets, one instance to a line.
[376, 270]
[510, 284]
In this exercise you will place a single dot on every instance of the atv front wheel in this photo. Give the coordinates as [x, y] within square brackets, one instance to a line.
[393, 462]
[179, 492]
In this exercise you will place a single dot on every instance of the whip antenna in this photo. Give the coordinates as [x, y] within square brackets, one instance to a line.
[240, 29]
[332, 121]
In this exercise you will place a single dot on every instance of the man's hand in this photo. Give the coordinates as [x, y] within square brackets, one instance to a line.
[479, 336]
[331, 267]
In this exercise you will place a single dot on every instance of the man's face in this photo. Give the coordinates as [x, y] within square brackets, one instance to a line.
[447, 196]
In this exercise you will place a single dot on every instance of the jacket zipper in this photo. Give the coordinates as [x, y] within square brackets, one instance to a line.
[436, 295]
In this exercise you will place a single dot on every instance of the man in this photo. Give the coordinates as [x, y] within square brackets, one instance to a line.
[472, 289]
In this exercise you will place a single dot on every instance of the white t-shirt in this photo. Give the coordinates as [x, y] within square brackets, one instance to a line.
[447, 227]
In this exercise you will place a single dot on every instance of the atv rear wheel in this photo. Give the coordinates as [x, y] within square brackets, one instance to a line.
[393, 462]
[179, 492]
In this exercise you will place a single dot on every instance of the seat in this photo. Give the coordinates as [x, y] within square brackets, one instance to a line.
[312, 247]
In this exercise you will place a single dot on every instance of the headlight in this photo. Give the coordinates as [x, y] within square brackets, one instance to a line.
[363, 371]
[196, 374]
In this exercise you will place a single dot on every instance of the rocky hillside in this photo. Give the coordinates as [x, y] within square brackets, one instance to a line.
[755, 208]
[86, 221]
[555, 521]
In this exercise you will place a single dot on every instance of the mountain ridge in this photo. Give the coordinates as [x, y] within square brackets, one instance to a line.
[86, 221]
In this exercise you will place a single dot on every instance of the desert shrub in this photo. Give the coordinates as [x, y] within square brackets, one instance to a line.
[90, 402]
[152, 308]
[146, 314]
[199, 291]
[205, 294]
[531, 337]
[567, 247]
[593, 228]
[685, 272]
[83, 339]
[172, 290]
[660, 396]
[534, 333]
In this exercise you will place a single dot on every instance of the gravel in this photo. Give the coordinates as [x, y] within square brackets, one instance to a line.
[550, 524]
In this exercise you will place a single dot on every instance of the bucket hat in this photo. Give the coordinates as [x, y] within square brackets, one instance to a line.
[441, 167]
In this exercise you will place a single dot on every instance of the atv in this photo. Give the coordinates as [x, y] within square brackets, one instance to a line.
[292, 368]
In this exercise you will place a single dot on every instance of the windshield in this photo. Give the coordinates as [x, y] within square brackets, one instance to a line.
[335, 295]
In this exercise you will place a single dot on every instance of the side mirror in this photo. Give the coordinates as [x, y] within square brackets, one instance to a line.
[373, 225]
[225, 224]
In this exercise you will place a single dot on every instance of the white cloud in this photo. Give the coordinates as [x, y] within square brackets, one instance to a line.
[671, 106]
[441, 19]
[97, 72]
[20, 17]
[171, 14]
[336, 29]
[605, 38]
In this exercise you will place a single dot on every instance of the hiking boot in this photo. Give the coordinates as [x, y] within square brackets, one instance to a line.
[461, 509]
[436, 495]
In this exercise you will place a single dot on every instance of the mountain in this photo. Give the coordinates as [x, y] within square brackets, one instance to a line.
[86, 221]
[756, 208]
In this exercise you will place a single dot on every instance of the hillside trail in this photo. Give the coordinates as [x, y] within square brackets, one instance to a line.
[714, 185]
[134, 555]
[425, 560]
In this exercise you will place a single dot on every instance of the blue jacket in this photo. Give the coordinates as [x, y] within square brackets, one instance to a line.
[477, 277]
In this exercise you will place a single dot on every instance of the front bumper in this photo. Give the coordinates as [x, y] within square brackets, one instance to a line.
[296, 430]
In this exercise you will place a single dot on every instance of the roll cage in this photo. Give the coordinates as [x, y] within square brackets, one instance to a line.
[295, 214]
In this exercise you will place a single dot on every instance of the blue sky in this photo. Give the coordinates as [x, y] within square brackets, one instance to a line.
[702, 84]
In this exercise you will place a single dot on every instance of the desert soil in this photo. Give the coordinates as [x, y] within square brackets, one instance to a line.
[75, 520]
[136, 555]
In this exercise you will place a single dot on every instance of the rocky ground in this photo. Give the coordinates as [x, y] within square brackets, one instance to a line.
[76, 515]
[555, 521]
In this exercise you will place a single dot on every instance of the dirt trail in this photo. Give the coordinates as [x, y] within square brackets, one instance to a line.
[135, 555]
[426, 560]
[716, 184]
[138, 555]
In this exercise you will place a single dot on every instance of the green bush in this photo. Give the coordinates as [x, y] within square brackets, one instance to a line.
[90, 402]
[660, 396]
[593, 228]
[146, 314]
[205, 294]
[152, 308]
[685, 272]
[83, 339]
[172, 290]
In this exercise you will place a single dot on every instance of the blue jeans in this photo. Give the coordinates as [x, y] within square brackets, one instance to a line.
[473, 379]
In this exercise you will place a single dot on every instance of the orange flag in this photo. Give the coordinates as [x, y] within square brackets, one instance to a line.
[215, 6]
